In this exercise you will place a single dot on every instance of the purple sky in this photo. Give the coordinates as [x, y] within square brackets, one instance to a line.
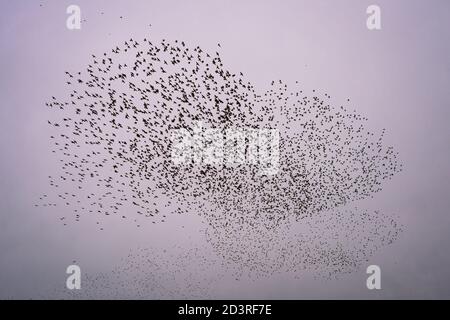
[399, 77]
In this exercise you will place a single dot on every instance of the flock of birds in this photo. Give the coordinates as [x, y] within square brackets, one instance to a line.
[112, 136]
[172, 272]
[327, 247]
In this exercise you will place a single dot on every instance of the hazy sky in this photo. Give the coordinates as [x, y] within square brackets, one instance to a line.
[399, 77]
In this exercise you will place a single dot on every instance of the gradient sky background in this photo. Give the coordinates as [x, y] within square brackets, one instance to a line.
[399, 77]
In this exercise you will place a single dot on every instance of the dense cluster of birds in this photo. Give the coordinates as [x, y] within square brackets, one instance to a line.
[326, 246]
[112, 136]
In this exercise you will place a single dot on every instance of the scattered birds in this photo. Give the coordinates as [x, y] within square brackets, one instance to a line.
[112, 135]
[151, 273]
